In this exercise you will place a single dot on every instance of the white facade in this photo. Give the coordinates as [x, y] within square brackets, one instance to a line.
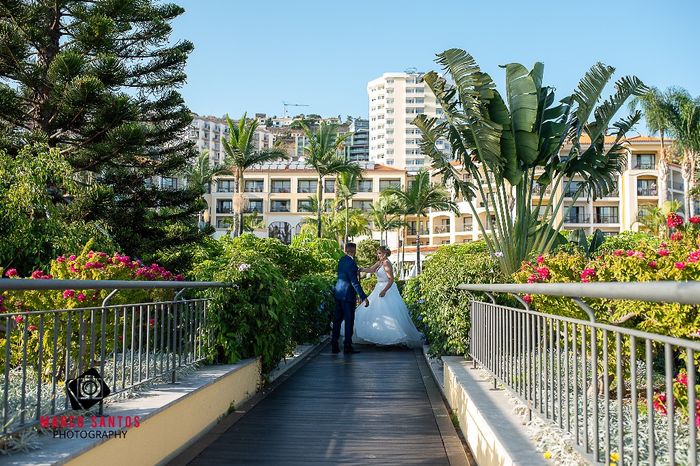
[395, 99]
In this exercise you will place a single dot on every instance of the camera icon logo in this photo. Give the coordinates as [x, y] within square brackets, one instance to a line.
[86, 390]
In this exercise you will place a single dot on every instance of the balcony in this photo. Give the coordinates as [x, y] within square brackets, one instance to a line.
[647, 192]
[441, 229]
[223, 209]
[607, 219]
[579, 218]
[644, 165]
[279, 208]
[280, 190]
[414, 231]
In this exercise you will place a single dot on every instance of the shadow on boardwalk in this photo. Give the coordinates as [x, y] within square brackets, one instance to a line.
[366, 408]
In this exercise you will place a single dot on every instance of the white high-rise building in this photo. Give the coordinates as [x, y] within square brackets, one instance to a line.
[395, 99]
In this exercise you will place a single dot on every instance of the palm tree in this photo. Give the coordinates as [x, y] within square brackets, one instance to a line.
[346, 188]
[684, 118]
[241, 155]
[385, 214]
[337, 221]
[201, 174]
[420, 197]
[322, 153]
[512, 146]
[655, 106]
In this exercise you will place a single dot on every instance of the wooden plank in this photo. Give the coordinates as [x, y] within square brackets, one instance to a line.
[366, 408]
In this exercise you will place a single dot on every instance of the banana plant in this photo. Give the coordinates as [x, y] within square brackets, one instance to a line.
[513, 147]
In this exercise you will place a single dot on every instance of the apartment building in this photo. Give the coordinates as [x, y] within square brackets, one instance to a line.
[637, 190]
[281, 195]
[357, 148]
[395, 100]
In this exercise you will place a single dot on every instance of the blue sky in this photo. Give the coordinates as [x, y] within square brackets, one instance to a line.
[252, 56]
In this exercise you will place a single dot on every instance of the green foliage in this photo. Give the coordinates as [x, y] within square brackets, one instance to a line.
[367, 252]
[325, 251]
[104, 92]
[512, 143]
[37, 223]
[440, 310]
[281, 295]
[628, 240]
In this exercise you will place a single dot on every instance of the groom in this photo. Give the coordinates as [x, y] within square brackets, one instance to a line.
[345, 291]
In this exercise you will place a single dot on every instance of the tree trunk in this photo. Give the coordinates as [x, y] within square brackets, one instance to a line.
[347, 219]
[42, 111]
[688, 172]
[663, 171]
[241, 203]
[319, 195]
[418, 247]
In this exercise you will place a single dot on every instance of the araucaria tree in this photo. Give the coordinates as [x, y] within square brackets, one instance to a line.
[518, 145]
[98, 81]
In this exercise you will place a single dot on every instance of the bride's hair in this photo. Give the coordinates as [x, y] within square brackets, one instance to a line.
[385, 250]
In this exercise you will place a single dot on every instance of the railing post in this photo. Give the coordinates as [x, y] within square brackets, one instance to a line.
[176, 306]
[103, 339]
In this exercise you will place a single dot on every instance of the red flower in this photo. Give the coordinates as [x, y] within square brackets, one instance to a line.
[60, 259]
[674, 220]
[694, 256]
[152, 323]
[81, 297]
[587, 274]
[682, 378]
[694, 220]
[32, 328]
[680, 265]
[659, 401]
[69, 294]
[11, 273]
[533, 278]
[652, 264]
[540, 259]
[663, 252]
[19, 319]
[677, 236]
[527, 298]
[630, 253]
[618, 252]
[543, 272]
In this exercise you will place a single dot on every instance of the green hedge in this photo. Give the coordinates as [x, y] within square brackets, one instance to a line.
[440, 311]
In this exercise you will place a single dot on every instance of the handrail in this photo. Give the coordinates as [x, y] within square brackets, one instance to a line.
[660, 291]
[25, 284]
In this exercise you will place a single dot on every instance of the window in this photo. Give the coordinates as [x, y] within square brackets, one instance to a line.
[255, 205]
[646, 188]
[645, 161]
[364, 186]
[281, 186]
[384, 184]
[413, 230]
[254, 186]
[168, 183]
[570, 189]
[575, 214]
[606, 214]
[306, 186]
[223, 222]
[329, 186]
[466, 224]
[304, 205]
[224, 186]
[362, 205]
[279, 206]
[224, 206]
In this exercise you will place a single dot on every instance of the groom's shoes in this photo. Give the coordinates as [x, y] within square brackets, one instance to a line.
[335, 350]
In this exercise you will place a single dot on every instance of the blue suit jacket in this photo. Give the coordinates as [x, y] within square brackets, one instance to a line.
[348, 287]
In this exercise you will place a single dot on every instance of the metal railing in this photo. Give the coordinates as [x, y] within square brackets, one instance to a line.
[610, 387]
[646, 191]
[581, 218]
[129, 344]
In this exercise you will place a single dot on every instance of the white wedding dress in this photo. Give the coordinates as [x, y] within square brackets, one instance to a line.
[386, 320]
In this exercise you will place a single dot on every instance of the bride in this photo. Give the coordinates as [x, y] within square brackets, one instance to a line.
[386, 320]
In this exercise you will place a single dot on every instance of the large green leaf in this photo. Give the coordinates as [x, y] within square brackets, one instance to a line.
[522, 92]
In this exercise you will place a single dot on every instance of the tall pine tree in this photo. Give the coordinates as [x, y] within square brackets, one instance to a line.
[98, 80]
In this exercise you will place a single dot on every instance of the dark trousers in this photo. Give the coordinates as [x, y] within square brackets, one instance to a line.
[344, 311]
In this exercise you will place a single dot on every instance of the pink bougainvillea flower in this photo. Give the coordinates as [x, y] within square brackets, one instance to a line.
[680, 265]
[587, 274]
[72, 269]
[32, 328]
[663, 252]
[11, 273]
[527, 298]
[81, 297]
[19, 319]
[69, 294]
[682, 378]
[179, 277]
[618, 252]
[652, 264]
[152, 323]
[72, 257]
[543, 272]
[540, 259]
[630, 253]
[60, 259]
[694, 256]
[533, 278]
[677, 236]
[694, 220]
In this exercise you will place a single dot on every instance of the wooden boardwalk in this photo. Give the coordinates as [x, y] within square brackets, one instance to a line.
[375, 407]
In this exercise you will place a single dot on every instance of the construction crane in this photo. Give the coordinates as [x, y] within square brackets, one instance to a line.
[291, 105]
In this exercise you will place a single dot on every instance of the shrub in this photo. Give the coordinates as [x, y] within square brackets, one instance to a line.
[367, 252]
[440, 310]
[326, 252]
